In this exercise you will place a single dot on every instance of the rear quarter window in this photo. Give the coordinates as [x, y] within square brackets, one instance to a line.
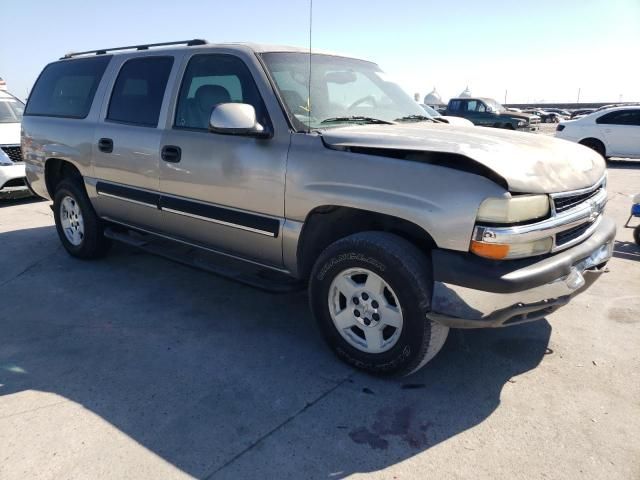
[67, 88]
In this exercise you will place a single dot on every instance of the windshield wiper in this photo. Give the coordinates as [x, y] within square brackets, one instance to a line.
[356, 118]
[417, 118]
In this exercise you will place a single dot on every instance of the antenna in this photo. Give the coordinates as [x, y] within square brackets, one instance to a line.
[310, 31]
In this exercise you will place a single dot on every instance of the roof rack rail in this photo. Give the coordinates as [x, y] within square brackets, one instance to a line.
[188, 43]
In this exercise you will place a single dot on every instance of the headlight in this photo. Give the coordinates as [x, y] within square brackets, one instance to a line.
[503, 251]
[514, 209]
[4, 158]
[522, 123]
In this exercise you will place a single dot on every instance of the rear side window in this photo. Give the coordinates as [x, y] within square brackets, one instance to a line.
[67, 88]
[454, 105]
[621, 117]
[139, 90]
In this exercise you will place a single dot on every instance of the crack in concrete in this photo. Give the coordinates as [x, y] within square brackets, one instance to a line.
[34, 264]
[307, 406]
[35, 409]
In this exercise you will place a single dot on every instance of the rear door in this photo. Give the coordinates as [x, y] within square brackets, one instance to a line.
[127, 142]
[621, 129]
[224, 191]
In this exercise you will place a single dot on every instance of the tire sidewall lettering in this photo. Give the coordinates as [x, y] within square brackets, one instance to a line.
[349, 257]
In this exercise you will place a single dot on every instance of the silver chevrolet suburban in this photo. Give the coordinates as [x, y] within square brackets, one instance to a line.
[318, 168]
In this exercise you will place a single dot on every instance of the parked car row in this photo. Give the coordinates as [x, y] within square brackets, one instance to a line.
[547, 115]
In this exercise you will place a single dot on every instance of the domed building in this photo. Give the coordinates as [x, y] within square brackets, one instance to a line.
[466, 93]
[433, 99]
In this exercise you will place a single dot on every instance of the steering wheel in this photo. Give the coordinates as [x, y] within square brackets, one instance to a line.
[368, 98]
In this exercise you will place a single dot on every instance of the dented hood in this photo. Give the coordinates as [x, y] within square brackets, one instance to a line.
[529, 163]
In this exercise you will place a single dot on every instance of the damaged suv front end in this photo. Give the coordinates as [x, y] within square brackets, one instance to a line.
[513, 222]
[524, 271]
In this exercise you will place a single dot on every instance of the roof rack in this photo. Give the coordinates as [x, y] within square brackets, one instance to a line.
[188, 43]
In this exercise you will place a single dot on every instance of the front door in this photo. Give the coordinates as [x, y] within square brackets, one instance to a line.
[127, 144]
[223, 191]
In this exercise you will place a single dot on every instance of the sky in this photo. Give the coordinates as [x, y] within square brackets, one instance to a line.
[540, 51]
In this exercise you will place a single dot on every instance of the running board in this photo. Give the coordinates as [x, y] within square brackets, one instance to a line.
[244, 272]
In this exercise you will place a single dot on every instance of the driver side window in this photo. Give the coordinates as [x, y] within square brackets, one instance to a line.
[211, 79]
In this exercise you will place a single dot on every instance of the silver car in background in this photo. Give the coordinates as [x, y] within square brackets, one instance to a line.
[12, 172]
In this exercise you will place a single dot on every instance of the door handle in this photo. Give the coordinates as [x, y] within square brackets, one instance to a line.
[171, 153]
[105, 145]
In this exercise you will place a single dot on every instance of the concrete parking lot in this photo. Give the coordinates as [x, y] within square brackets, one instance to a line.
[136, 367]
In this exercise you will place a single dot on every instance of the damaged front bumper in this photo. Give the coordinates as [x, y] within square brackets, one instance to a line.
[472, 292]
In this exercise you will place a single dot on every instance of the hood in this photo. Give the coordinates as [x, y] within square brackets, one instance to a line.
[529, 163]
[9, 134]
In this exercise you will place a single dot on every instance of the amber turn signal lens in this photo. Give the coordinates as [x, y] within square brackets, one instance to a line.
[496, 251]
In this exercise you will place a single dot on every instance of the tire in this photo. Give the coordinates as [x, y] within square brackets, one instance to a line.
[79, 228]
[509, 126]
[636, 234]
[594, 144]
[406, 273]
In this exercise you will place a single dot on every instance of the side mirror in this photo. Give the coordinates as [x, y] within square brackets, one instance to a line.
[236, 119]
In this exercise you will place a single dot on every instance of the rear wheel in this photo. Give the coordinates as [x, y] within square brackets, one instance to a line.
[79, 228]
[594, 144]
[636, 234]
[370, 294]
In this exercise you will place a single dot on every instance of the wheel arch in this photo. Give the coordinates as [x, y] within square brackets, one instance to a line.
[594, 140]
[57, 169]
[329, 223]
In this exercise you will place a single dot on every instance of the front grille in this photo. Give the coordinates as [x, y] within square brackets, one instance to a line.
[14, 153]
[563, 204]
[567, 236]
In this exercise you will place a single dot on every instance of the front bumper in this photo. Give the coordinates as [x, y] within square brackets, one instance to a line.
[472, 292]
[12, 177]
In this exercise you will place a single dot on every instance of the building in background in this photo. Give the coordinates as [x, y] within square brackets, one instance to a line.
[466, 93]
[433, 99]
[3, 84]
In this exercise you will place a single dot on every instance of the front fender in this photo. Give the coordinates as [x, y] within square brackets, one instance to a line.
[441, 200]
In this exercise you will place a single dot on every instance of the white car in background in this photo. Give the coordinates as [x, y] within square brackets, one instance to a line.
[12, 172]
[614, 132]
[458, 121]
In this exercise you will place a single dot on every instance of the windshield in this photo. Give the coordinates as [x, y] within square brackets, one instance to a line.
[497, 107]
[343, 91]
[11, 110]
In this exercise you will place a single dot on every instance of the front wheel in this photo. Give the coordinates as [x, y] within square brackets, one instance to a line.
[370, 294]
[79, 227]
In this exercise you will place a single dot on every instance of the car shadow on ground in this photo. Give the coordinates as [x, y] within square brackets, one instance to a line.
[17, 198]
[201, 371]
[626, 250]
[622, 164]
